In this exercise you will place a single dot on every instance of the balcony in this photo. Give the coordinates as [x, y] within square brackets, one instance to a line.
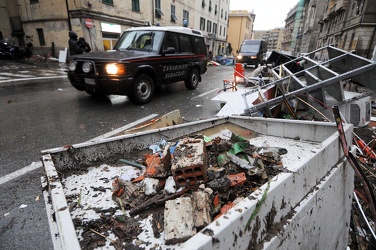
[342, 5]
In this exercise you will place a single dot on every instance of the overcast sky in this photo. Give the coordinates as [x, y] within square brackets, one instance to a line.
[269, 13]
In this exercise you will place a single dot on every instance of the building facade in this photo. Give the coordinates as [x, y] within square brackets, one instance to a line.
[289, 30]
[46, 23]
[10, 22]
[240, 27]
[211, 17]
[349, 25]
[273, 37]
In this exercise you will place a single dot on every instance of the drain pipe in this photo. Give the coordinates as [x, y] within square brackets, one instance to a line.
[153, 12]
[69, 21]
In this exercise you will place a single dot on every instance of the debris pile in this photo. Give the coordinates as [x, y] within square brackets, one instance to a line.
[362, 233]
[195, 180]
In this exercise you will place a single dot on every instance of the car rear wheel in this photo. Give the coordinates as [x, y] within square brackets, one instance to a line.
[193, 79]
[142, 90]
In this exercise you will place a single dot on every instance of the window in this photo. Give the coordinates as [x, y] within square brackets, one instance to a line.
[171, 40]
[158, 11]
[208, 26]
[109, 40]
[214, 28]
[42, 42]
[210, 6]
[224, 31]
[108, 2]
[136, 5]
[215, 10]
[185, 44]
[221, 13]
[186, 17]
[203, 4]
[351, 40]
[173, 15]
[344, 42]
[34, 1]
[199, 45]
[202, 23]
[226, 15]
[220, 30]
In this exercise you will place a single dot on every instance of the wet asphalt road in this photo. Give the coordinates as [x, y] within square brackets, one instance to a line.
[48, 112]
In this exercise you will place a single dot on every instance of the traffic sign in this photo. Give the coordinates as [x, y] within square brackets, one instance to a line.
[89, 23]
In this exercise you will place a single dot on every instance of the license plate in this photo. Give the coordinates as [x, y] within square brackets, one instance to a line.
[89, 81]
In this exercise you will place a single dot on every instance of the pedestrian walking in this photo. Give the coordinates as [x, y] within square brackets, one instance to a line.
[84, 45]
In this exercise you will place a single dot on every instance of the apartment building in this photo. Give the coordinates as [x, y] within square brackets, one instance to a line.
[46, 23]
[240, 27]
[273, 37]
[310, 28]
[211, 17]
[349, 25]
[346, 24]
[288, 30]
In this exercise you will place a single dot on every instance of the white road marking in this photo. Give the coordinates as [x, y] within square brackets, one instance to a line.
[38, 164]
[206, 93]
[49, 74]
[22, 171]
[17, 75]
[33, 78]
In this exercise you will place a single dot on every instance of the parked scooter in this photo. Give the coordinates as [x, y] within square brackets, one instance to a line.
[13, 51]
[17, 52]
[5, 48]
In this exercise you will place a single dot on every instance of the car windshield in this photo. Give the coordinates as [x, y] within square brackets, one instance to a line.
[145, 40]
[246, 48]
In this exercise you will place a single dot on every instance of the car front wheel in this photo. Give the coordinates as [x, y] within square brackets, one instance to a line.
[142, 90]
[193, 79]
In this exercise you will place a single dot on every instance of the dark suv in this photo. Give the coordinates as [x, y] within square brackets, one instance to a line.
[142, 58]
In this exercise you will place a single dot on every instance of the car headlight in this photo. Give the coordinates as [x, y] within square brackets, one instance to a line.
[86, 67]
[239, 57]
[72, 66]
[253, 57]
[115, 69]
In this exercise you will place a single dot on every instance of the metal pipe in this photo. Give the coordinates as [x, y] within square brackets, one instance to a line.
[69, 21]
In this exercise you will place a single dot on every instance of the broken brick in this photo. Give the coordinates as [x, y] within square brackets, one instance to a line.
[189, 164]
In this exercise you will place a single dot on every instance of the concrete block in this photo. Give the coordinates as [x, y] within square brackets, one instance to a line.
[201, 209]
[178, 220]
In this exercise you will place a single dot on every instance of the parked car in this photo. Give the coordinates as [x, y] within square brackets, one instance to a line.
[143, 58]
[252, 52]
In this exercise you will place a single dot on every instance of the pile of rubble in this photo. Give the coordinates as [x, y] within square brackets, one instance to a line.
[195, 180]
